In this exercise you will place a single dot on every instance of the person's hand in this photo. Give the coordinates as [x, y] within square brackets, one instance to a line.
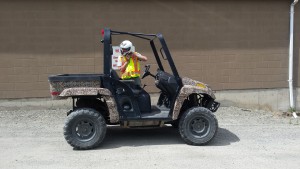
[127, 57]
[123, 67]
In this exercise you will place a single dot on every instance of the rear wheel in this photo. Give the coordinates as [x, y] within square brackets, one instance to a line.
[84, 128]
[198, 126]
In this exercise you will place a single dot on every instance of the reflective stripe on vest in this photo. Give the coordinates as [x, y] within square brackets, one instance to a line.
[132, 69]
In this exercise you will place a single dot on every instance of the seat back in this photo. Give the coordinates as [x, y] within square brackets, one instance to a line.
[114, 74]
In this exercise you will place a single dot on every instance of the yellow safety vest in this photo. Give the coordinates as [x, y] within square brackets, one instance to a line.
[133, 67]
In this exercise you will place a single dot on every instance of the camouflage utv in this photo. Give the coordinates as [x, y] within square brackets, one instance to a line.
[105, 99]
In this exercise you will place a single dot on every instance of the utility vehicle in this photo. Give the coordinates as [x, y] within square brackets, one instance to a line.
[104, 99]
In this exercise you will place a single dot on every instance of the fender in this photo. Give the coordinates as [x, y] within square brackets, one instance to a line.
[190, 86]
[88, 91]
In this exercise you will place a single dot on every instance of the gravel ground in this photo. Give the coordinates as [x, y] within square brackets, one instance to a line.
[32, 137]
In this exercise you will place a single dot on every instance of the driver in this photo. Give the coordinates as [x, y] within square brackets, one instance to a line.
[129, 62]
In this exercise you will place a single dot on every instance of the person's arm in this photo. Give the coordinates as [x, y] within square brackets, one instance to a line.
[123, 67]
[140, 57]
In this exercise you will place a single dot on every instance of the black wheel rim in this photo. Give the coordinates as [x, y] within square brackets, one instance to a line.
[84, 129]
[199, 126]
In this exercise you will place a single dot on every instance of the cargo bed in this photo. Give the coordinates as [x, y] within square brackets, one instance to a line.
[63, 81]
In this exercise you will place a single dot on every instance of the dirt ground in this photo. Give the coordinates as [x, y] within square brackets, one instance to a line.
[32, 137]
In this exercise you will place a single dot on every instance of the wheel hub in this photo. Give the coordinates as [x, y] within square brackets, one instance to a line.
[85, 129]
[198, 125]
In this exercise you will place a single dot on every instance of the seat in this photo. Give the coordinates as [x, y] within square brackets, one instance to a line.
[135, 88]
[114, 74]
[130, 83]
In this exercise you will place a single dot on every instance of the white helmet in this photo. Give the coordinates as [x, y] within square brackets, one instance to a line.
[126, 47]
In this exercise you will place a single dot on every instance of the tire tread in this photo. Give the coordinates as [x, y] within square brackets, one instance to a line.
[80, 112]
[188, 113]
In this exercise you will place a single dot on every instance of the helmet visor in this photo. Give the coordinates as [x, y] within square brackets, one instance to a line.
[125, 51]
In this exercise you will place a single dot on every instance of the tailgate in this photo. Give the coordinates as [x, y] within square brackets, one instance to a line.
[63, 81]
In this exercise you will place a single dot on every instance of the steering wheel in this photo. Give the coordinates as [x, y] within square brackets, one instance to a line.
[146, 71]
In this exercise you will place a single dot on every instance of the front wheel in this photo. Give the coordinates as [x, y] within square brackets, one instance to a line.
[85, 128]
[198, 126]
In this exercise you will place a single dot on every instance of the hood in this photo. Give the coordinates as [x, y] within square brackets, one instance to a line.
[197, 85]
[191, 82]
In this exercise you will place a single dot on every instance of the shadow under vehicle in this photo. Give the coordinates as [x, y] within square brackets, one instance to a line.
[105, 99]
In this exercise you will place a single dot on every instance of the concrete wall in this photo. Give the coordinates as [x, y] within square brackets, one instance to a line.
[261, 99]
[227, 44]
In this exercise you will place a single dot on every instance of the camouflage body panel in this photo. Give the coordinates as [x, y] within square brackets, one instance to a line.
[89, 91]
[84, 91]
[112, 107]
[193, 85]
[56, 87]
[190, 86]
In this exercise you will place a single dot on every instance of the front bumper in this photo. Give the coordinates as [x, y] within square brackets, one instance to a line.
[213, 106]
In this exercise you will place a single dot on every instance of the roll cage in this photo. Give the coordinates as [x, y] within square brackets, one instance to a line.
[107, 40]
